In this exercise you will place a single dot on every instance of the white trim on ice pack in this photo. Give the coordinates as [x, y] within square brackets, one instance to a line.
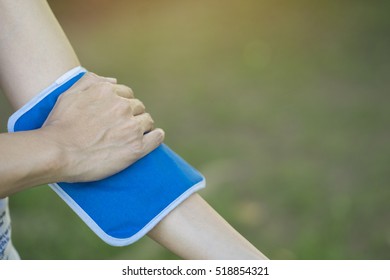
[69, 200]
[64, 78]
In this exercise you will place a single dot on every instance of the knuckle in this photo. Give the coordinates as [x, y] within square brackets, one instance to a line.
[141, 104]
[149, 118]
[123, 90]
[131, 91]
[162, 135]
[122, 105]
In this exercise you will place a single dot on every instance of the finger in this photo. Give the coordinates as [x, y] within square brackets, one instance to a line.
[152, 140]
[145, 121]
[137, 107]
[123, 91]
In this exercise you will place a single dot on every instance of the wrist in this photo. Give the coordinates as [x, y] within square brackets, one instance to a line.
[55, 156]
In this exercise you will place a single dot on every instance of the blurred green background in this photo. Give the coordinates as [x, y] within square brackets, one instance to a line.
[283, 105]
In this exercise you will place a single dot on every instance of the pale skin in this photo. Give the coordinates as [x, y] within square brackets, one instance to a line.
[193, 230]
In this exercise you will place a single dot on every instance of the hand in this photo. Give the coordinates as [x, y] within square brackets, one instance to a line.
[100, 129]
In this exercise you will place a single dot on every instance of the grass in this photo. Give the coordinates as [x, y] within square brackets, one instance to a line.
[282, 105]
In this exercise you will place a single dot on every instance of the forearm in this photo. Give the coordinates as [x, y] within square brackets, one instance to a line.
[194, 230]
[27, 160]
[34, 50]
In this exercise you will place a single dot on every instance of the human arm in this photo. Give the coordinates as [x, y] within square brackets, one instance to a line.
[95, 110]
[31, 43]
[27, 160]
[193, 229]
[95, 130]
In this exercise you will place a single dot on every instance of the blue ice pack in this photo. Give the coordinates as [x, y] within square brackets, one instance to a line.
[124, 207]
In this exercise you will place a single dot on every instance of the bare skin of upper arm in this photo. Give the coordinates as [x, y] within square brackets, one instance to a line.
[34, 50]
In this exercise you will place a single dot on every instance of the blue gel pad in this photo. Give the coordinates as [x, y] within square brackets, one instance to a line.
[124, 207]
